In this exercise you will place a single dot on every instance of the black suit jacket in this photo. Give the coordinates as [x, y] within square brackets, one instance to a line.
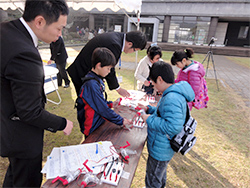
[23, 118]
[82, 64]
[58, 51]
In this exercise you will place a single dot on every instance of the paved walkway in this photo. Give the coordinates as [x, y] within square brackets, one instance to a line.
[236, 76]
[227, 72]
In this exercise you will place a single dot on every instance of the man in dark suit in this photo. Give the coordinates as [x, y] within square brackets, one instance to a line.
[23, 117]
[117, 43]
[59, 55]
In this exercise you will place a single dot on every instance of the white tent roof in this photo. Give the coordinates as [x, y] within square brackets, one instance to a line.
[101, 5]
[12, 4]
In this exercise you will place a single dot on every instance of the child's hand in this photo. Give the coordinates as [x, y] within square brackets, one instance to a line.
[147, 83]
[127, 124]
[145, 117]
[49, 62]
[143, 107]
[116, 103]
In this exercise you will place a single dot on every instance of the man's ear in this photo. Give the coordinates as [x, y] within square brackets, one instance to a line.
[39, 21]
[129, 44]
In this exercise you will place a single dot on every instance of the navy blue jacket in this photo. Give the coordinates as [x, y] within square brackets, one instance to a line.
[92, 107]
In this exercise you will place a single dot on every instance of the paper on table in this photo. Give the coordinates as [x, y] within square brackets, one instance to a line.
[52, 166]
[53, 152]
[73, 157]
[70, 158]
[136, 95]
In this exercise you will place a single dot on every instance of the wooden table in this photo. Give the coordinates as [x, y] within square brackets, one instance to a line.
[118, 136]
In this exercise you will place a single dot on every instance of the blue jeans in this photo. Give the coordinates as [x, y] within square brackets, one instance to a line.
[156, 173]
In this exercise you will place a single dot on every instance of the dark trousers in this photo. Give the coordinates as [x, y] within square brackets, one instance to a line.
[24, 172]
[156, 173]
[62, 74]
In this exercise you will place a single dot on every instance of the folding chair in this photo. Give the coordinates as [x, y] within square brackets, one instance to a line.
[50, 82]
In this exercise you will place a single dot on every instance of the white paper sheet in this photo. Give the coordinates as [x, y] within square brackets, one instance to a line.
[70, 158]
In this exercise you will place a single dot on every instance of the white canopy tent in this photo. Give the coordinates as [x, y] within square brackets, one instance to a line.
[101, 5]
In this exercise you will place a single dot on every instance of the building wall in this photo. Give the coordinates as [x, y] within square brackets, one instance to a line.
[212, 8]
[220, 33]
[153, 21]
[160, 32]
[220, 12]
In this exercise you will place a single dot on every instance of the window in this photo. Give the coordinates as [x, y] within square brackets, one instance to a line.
[243, 32]
[187, 30]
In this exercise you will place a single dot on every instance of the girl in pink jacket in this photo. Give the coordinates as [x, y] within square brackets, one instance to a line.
[193, 72]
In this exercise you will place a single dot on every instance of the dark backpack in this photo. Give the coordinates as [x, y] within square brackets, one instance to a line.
[78, 101]
[85, 79]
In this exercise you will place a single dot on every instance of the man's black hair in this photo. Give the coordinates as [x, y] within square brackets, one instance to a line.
[162, 69]
[49, 9]
[137, 38]
[103, 55]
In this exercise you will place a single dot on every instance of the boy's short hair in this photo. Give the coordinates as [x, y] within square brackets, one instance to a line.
[162, 69]
[138, 39]
[49, 9]
[104, 56]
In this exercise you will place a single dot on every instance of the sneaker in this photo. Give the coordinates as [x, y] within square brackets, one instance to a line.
[66, 86]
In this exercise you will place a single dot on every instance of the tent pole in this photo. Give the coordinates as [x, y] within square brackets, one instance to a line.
[136, 53]
[126, 14]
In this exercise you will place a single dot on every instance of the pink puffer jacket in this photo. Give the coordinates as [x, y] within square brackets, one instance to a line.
[193, 75]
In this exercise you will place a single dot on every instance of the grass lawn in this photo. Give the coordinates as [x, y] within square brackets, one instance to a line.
[220, 158]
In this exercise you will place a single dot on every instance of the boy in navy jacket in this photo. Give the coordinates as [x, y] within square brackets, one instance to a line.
[92, 107]
[167, 118]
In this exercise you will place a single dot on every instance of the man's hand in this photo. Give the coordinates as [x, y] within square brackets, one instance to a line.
[68, 128]
[123, 92]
